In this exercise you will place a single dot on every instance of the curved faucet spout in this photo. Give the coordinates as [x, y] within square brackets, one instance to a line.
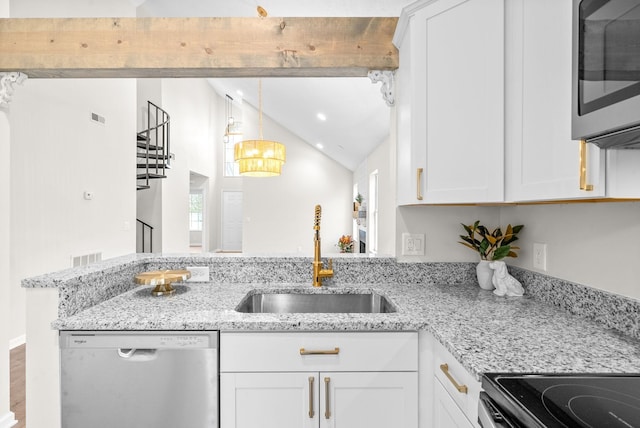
[319, 272]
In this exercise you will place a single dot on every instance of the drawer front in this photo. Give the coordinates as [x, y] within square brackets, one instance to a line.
[290, 352]
[455, 378]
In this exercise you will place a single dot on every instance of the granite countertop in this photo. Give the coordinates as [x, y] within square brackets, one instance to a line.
[486, 333]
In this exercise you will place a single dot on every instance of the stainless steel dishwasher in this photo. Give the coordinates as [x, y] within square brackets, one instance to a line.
[139, 379]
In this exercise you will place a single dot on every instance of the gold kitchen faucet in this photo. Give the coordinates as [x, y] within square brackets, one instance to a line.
[319, 271]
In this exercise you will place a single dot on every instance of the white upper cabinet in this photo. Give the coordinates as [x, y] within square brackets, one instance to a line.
[450, 102]
[542, 161]
[483, 96]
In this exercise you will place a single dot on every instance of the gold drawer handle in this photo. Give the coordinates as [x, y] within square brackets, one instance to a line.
[583, 167]
[327, 411]
[334, 351]
[419, 184]
[461, 388]
[311, 414]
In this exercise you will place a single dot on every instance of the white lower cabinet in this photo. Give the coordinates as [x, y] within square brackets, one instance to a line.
[446, 413]
[324, 399]
[449, 394]
[281, 400]
[338, 380]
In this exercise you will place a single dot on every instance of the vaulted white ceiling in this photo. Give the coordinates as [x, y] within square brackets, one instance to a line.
[357, 116]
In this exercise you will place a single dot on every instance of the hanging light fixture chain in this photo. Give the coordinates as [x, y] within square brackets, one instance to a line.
[260, 108]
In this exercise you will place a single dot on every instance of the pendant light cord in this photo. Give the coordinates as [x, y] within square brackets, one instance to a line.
[260, 108]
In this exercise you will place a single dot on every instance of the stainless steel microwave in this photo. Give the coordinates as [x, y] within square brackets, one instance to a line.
[606, 73]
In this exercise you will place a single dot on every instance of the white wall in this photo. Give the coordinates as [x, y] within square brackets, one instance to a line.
[441, 226]
[191, 104]
[383, 160]
[222, 183]
[57, 154]
[279, 211]
[592, 244]
[149, 201]
[5, 289]
[71, 8]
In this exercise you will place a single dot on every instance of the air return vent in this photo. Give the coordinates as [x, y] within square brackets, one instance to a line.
[95, 117]
[85, 259]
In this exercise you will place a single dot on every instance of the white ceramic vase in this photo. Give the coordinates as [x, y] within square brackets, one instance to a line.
[485, 275]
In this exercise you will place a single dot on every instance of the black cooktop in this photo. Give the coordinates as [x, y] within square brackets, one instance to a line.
[573, 400]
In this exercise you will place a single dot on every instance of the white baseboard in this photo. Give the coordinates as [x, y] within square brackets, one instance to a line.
[15, 342]
[8, 420]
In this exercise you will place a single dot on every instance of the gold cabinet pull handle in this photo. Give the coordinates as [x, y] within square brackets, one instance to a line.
[327, 409]
[461, 388]
[583, 167]
[419, 184]
[334, 351]
[311, 413]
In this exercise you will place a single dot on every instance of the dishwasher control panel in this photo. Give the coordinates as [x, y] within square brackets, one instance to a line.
[147, 340]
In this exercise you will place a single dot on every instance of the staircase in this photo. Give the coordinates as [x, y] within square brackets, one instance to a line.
[153, 156]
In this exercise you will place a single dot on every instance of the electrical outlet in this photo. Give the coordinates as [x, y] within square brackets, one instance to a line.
[413, 244]
[198, 273]
[540, 256]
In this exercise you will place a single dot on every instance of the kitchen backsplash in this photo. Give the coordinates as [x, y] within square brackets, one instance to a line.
[613, 311]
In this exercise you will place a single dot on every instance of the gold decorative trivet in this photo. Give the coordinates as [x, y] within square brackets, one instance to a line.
[162, 279]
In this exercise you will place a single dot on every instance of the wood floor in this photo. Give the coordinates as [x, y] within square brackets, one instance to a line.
[17, 379]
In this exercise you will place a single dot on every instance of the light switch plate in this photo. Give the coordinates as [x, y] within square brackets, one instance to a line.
[413, 244]
[198, 273]
[540, 256]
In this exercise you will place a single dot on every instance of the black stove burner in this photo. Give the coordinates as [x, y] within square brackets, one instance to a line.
[568, 401]
[591, 406]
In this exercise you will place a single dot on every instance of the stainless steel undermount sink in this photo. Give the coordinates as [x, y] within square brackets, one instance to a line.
[291, 302]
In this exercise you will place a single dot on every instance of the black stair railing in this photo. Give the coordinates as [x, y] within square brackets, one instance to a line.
[149, 229]
[153, 147]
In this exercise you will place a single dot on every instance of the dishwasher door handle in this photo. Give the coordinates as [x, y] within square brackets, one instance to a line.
[135, 354]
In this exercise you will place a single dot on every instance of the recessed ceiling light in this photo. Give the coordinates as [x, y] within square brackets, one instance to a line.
[239, 92]
[320, 146]
[321, 116]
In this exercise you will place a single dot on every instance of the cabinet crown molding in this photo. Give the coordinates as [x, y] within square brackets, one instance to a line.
[405, 16]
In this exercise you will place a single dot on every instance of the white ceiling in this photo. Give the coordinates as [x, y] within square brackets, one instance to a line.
[357, 116]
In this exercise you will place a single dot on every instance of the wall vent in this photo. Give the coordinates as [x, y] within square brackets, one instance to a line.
[86, 259]
[95, 117]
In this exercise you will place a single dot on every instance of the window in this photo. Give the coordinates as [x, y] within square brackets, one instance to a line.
[372, 239]
[232, 135]
[231, 168]
[195, 211]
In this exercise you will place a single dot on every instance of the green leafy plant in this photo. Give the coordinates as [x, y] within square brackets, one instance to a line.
[491, 244]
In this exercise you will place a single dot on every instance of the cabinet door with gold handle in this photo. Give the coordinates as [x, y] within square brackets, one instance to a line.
[327, 406]
[461, 388]
[334, 351]
[583, 167]
[311, 382]
[419, 172]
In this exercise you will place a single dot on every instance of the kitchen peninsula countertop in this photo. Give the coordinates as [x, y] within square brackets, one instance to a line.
[485, 332]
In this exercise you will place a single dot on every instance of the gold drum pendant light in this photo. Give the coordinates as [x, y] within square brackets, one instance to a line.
[260, 158]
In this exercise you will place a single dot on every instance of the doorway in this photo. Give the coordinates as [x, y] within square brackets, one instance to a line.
[197, 212]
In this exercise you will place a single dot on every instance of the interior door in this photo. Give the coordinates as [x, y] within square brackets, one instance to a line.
[231, 220]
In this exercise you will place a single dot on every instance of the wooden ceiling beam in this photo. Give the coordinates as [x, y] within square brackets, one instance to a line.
[197, 47]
